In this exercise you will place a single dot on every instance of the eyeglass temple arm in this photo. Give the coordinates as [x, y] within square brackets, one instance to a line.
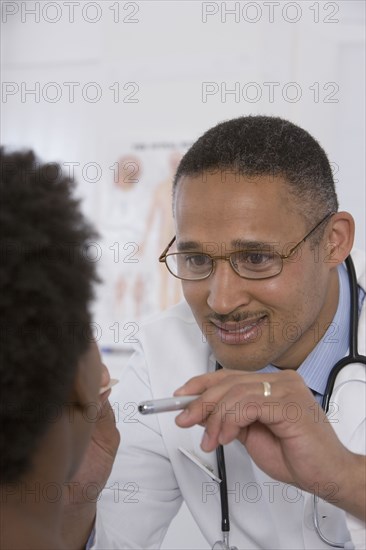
[163, 254]
[307, 236]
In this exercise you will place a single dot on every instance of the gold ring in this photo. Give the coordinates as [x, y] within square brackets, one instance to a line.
[266, 389]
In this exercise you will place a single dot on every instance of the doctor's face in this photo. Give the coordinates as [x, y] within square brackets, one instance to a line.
[250, 323]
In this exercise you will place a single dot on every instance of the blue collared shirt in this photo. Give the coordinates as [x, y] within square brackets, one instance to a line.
[332, 346]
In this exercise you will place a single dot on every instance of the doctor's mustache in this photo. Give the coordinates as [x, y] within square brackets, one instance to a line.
[236, 317]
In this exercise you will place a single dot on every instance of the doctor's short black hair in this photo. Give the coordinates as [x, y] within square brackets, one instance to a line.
[263, 145]
[46, 285]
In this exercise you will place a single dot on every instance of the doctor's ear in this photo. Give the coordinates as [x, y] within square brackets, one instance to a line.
[339, 237]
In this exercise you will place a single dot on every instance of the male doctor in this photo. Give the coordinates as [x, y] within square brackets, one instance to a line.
[260, 248]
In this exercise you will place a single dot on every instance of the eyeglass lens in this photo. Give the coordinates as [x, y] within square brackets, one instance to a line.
[253, 264]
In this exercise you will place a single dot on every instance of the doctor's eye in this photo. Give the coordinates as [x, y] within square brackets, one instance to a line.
[254, 260]
[197, 261]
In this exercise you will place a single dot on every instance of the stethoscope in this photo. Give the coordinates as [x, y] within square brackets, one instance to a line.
[352, 357]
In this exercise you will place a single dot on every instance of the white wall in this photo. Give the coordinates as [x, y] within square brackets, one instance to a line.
[158, 55]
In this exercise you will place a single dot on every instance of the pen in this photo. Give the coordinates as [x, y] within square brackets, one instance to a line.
[165, 405]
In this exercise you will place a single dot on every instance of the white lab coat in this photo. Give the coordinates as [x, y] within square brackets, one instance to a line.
[151, 476]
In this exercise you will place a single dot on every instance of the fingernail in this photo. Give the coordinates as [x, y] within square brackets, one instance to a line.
[178, 390]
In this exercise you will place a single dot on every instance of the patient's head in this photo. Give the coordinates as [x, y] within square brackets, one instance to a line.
[48, 360]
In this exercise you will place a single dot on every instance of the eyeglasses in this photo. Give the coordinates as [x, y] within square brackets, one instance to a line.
[255, 262]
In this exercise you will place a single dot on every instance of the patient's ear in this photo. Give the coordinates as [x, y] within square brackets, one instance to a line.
[339, 237]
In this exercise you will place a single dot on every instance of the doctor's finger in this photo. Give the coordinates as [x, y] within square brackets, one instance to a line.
[222, 435]
[223, 404]
[204, 406]
[239, 408]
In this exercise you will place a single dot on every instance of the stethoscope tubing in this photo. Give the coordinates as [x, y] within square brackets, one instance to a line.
[353, 355]
[221, 469]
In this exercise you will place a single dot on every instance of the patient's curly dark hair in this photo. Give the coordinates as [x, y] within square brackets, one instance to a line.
[46, 285]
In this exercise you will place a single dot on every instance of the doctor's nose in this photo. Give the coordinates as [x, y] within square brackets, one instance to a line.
[227, 291]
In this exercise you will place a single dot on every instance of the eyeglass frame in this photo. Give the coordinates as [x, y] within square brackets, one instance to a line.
[227, 257]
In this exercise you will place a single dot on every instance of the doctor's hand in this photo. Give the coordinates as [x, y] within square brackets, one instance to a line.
[286, 433]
